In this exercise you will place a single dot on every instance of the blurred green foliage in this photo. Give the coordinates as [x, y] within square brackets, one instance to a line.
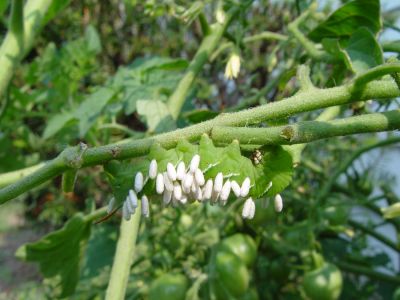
[101, 71]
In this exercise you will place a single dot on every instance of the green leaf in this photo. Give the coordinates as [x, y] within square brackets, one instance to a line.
[93, 39]
[157, 116]
[148, 79]
[56, 123]
[54, 8]
[186, 151]
[363, 51]
[277, 167]
[348, 18]
[91, 108]
[332, 46]
[59, 255]
[210, 155]
[87, 113]
[232, 164]
[162, 156]
[100, 251]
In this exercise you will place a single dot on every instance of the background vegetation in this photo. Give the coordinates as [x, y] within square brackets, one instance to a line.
[104, 72]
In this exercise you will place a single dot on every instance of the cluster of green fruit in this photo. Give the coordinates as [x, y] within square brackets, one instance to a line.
[229, 274]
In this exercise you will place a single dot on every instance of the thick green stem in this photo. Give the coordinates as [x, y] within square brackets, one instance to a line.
[367, 272]
[10, 177]
[392, 46]
[208, 45]
[301, 102]
[20, 37]
[123, 257]
[16, 20]
[308, 131]
[375, 73]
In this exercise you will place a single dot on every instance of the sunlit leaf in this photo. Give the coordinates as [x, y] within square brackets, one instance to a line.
[157, 115]
[56, 123]
[348, 18]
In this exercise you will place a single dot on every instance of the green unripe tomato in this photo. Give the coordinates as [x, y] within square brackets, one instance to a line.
[169, 286]
[323, 283]
[396, 294]
[231, 273]
[243, 246]
[186, 221]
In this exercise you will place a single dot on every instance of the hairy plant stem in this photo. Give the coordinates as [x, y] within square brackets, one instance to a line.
[375, 73]
[308, 131]
[123, 257]
[300, 102]
[20, 37]
[10, 177]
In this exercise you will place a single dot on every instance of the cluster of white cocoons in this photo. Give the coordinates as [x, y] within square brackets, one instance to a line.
[131, 202]
[180, 184]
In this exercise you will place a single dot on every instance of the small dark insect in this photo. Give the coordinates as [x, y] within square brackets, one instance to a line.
[256, 157]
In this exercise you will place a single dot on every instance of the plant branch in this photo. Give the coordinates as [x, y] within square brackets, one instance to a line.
[205, 28]
[20, 37]
[208, 45]
[367, 272]
[348, 162]
[375, 73]
[392, 46]
[375, 234]
[10, 177]
[265, 35]
[309, 131]
[96, 214]
[301, 102]
[308, 45]
[123, 257]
